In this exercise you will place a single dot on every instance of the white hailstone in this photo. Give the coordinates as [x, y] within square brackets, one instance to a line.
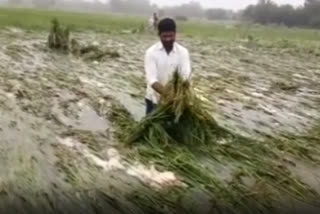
[113, 154]
[95, 43]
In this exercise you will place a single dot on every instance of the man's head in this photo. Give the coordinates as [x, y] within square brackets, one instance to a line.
[167, 32]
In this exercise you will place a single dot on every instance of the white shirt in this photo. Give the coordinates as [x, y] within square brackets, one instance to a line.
[159, 67]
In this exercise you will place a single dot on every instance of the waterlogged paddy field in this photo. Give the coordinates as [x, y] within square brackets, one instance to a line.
[59, 150]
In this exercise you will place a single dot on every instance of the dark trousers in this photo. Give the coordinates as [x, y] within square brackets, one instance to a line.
[150, 106]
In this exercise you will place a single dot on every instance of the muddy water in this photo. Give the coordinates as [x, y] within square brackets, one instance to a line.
[246, 91]
[43, 100]
[47, 96]
[309, 173]
[85, 119]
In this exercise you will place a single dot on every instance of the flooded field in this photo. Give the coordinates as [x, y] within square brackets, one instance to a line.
[59, 150]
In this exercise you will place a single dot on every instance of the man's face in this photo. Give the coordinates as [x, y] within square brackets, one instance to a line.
[167, 39]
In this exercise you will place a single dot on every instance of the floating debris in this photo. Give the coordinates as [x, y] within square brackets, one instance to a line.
[154, 177]
[285, 86]
[149, 175]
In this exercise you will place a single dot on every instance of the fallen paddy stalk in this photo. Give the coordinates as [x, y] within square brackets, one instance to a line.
[181, 132]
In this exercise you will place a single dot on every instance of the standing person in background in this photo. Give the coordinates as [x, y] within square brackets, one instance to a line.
[153, 22]
[161, 61]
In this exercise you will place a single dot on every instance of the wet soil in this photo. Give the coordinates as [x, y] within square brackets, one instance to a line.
[58, 149]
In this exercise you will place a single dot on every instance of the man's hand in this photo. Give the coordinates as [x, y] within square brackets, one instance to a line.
[162, 91]
[167, 93]
[158, 88]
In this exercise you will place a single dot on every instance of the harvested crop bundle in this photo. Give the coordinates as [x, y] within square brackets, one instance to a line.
[180, 118]
[59, 37]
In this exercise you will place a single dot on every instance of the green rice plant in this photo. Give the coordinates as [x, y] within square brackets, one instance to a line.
[59, 37]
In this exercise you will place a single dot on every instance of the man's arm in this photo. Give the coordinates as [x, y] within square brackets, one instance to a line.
[151, 73]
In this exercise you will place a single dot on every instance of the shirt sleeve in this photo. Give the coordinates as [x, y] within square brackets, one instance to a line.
[185, 69]
[150, 69]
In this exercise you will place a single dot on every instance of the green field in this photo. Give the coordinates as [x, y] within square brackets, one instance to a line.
[33, 19]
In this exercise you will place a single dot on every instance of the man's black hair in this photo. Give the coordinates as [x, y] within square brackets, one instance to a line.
[166, 25]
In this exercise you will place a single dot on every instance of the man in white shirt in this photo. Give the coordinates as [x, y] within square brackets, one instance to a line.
[161, 60]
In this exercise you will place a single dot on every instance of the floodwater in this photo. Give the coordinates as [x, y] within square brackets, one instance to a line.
[51, 105]
[85, 119]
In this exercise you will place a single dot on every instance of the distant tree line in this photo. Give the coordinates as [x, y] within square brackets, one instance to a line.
[43, 3]
[264, 12]
[187, 10]
[35, 3]
[220, 14]
[191, 9]
[75, 5]
[268, 12]
[132, 6]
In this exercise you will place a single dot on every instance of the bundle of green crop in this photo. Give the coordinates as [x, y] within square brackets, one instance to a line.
[180, 118]
[59, 37]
